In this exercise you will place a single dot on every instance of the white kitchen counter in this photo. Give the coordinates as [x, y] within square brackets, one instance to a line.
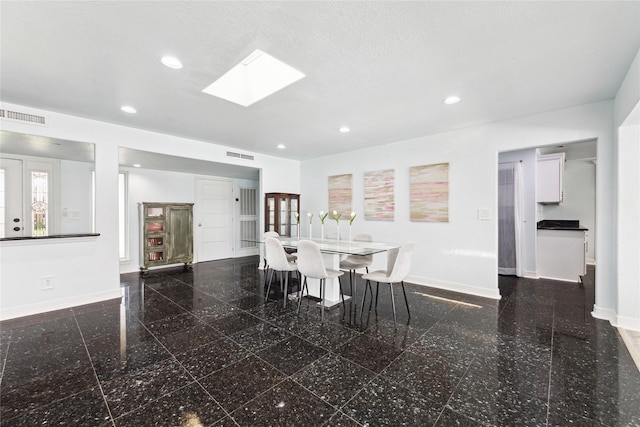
[561, 254]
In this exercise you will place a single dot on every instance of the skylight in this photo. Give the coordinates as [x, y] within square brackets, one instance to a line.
[254, 78]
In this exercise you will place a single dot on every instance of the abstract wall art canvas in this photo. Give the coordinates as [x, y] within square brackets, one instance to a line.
[340, 194]
[379, 203]
[429, 193]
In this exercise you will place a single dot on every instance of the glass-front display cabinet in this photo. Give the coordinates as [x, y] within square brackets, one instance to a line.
[166, 234]
[279, 213]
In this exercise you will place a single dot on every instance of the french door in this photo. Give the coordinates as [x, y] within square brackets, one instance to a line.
[11, 202]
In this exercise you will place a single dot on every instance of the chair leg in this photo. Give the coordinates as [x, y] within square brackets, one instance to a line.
[322, 290]
[286, 287]
[270, 276]
[377, 292]
[393, 303]
[405, 299]
[354, 284]
[267, 270]
[304, 285]
[341, 293]
[281, 280]
[364, 295]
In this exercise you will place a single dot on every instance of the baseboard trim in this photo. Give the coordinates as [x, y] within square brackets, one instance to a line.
[629, 323]
[604, 314]
[43, 307]
[456, 287]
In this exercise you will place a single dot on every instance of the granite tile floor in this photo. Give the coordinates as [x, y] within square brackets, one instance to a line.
[203, 348]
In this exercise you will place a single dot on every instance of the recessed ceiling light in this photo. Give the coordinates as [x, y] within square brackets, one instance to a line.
[453, 99]
[344, 129]
[254, 78]
[128, 109]
[171, 62]
[136, 165]
[281, 146]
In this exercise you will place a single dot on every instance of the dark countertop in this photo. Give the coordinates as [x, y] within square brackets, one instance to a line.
[560, 224]
[53, 236]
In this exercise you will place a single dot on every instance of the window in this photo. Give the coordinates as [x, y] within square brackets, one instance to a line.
[248, 217]
[39, 203]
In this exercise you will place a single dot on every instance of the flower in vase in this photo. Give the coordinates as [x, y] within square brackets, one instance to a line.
[297, 217]
[310, 215]
[353, 216]
[323, 216]
[336, 216]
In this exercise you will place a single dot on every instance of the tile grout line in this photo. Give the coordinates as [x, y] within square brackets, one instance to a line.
[95, 373]
[553, 318]
[195, 380]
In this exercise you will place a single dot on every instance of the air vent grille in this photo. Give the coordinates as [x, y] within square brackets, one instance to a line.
[239, 156]
[33, 119]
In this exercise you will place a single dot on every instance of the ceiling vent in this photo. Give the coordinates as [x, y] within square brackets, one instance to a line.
[239, 156]
[18, 116]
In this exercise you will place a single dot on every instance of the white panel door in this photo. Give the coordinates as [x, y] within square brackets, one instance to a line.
[11, 205]
[213, 219]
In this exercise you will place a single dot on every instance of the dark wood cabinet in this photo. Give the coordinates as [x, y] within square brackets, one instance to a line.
[279, 213]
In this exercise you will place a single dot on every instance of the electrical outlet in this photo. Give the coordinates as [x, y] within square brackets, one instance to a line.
[47, 282]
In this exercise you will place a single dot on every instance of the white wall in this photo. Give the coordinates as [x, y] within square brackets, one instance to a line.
[75, 199]
[462, 254]
[88, 270]
[579, 186]
[146, 185]
[628, 310]
[627, 121]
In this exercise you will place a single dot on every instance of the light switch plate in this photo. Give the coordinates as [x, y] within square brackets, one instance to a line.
[484, 214]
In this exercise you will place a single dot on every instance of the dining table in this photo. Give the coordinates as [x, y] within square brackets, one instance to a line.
[332, 251]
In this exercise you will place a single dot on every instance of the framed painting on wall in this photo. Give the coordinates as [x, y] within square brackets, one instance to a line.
[429, 193]
[340, 194]
[379, 203]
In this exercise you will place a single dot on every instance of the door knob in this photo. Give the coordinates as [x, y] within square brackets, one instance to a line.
[16, 219]
[16, 228]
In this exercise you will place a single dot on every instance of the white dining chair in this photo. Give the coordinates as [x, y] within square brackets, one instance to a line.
[290, 256]
[357, 262]
[398, 268]
[278, 262]
[311, 265]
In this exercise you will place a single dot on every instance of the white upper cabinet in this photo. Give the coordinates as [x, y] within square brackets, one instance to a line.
[549, 178]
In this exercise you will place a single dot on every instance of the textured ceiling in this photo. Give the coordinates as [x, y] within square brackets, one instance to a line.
[382, 68]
